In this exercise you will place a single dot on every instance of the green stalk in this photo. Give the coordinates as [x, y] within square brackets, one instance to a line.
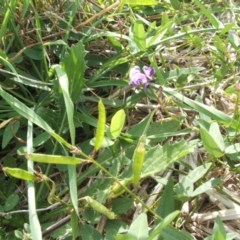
[33, 218]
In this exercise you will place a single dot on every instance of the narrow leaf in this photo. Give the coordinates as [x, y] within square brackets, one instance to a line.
[139, 35]
[212, 19]
[29, 114]
[63, 81]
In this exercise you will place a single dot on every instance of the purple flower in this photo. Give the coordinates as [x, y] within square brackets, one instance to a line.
[137, 78]
[149, 71]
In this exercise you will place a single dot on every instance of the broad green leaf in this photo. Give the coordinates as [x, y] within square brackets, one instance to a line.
[176, 4]
[139, 35]
[158, 158]
[74, 66]
[186, 186]
[122, 204]
[100, 126]
[35, 53]
[215, 132]
[19, 173]
[233, 152]
[206, 186]
[53, 159]
[11, 202]
[117, 123]
[139, 228]
[210, 144]
[167, 201]
[198, 172]
[219, 232]
[163, 224]
[175, 234]
[89, 232]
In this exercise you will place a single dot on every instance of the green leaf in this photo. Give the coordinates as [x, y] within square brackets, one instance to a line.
[176, 4]
[163, 224]
[72, 175]
[158, 35]
[173, 234]
[117, 123]
[29, 114]
[74, 66]
[202, 108]
[139, 228]
[233, 151]
[122, 205]
[158, 158]
[139, 35]
[167, 202]
[100, 126]
[212, 19]
[88, 232]
[198, 172]
[206, 186]
[11, 201]
[185, 186]
[9, 132]
[210, 144]
[64, 84]
[34, 53]
[219, 232]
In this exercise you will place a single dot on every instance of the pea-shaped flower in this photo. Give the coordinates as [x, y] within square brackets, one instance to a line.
[138, 78]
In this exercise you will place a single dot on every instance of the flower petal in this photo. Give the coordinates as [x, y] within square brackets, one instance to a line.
[134, 70]
[149, 71]
[138, 79]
